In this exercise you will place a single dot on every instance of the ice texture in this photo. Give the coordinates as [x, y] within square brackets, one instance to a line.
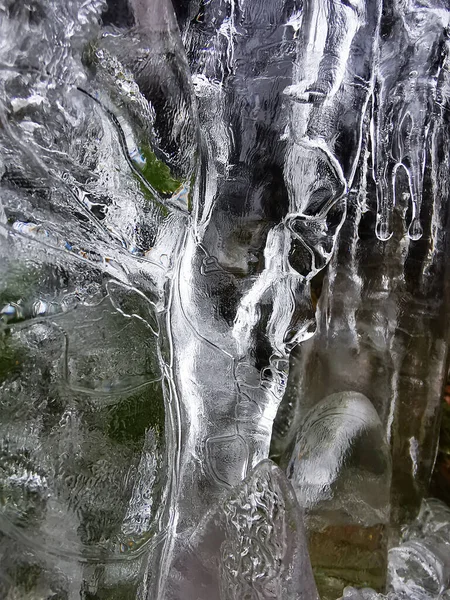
[179, 184]
[341, 463]
[419, 568]
[250, 545]
[407, 86]
[340, 468]
[382, 329]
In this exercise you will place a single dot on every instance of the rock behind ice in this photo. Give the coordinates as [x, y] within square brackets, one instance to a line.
[340, 465]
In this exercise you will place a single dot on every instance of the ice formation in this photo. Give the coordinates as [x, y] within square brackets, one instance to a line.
[419, 568]
[222, 238]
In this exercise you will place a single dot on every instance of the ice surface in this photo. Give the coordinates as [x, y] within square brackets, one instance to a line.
[381, 325]
[340, 468]
[174, 182]
[250, 545]
[419, 567]
[366, 594]
[407, 86]
[332, 469]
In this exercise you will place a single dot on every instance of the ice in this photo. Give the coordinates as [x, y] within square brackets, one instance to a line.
[381, 329]
[331, 468]
[366, 594]
[433, 519]
[340, 468]
[407, 85]
[250, 545]
[188, 193]
[419, 567]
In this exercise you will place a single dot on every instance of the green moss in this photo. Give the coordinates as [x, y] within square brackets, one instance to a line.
[18, 286]
[11, 358]
[190, 203]
[88, 56]
[22, 283]
[157, 173]
[130, 419]
[27, 576]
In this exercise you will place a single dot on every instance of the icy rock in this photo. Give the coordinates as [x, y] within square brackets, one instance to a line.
[341, 463]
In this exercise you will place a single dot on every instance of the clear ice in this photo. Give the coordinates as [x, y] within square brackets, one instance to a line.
[419, 568]
[223, 292]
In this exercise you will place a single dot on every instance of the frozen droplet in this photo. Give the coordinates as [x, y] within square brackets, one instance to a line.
[415, 230]
[39, 308]
[382, 229]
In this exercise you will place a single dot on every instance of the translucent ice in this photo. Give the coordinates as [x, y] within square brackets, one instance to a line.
[340, 468]
[332, 469]
[419, 568]
[173, 186]
[381, 304]
[251, 545]
[406, 88]
[366, 594]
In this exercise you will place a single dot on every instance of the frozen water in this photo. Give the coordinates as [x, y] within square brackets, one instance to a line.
[403, 121]
[366, 594]
[340, 468]
[419, 568]
[174, 182]
[381, 329]
[250, 545]
[334, 474]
